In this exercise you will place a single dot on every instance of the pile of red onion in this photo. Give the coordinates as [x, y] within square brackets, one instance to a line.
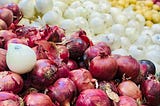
[70, 70]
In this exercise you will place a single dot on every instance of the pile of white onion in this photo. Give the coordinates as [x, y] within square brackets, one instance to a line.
[123, 30]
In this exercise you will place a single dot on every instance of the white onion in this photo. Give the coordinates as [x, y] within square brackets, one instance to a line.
[131, 34]
[156, 38]
[20, 58]
[115, 11]
[90, 6]
[140, 18]
[68, 25]
[125, 42]
[3, 2]
[51, 18]
[144, 40]
[81, 23]
[156, 28]
[154, 56]
[118, 29]
[121, 19]
[27, 7]
[137, 51]
[43, 6]
[120, 51]
[103, 6]
[61, 5]
[75, 4]
[108, 19]
[70, 13]
[81, 11]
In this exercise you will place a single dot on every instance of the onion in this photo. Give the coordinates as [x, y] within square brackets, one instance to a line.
[3, 25]
[128, 66]
[38, 99]
[6, 35]
[71, 64]
[127, 101]
[61, 95]
[3, 65]
[6, 15]
[93, 97]
[20, 58]
[95, 50]
[77, 44]
[17, 14]
[103, 67]
[129, 88]
[10, 99]
[82, 78]
[11, 82]
[151, 91]
[43, 74]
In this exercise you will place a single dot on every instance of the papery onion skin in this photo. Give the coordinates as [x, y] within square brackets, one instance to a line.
[93, 97]
[43, 74]
[38, 99]
[63, 90]
[3, 65]
[126, 101]
[128, 67]
[63, 52]
[103, 67]
[151, 91]
[10, 99]
[82, 78]
[129, 88]
[11, 82]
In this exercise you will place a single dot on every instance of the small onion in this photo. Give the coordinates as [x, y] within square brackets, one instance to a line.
[3, 65]
[20, 58]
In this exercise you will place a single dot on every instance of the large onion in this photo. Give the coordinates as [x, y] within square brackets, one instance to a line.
[126, 101]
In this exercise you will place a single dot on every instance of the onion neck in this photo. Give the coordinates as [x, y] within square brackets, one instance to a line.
[102, 54]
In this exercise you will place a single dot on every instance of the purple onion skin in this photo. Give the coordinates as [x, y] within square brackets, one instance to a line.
[62, 91]
[127, 101]
[38, 99]
[10, 99]
[151, 91]
[43, 74]
[11, 82]
[93, 97]
[72, 64]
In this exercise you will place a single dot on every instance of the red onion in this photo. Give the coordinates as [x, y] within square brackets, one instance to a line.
[63, 91]
[128, 66]
[127, 101]
[3, 25]
[5, 36]
[129, 88]
[3, 65]
[147, 67]
[103, 67]
[82, 78]
[6, 15]
[10, 99]
[72, 64]
[77, 44]
[93, 97]
[63, 52]
[17, 14]
[62, 70]
[11, 82]
[151, 91]
[95, 50]
[38, 99]
[43, 74]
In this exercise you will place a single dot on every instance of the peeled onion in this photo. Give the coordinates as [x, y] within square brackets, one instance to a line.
[20, 58]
